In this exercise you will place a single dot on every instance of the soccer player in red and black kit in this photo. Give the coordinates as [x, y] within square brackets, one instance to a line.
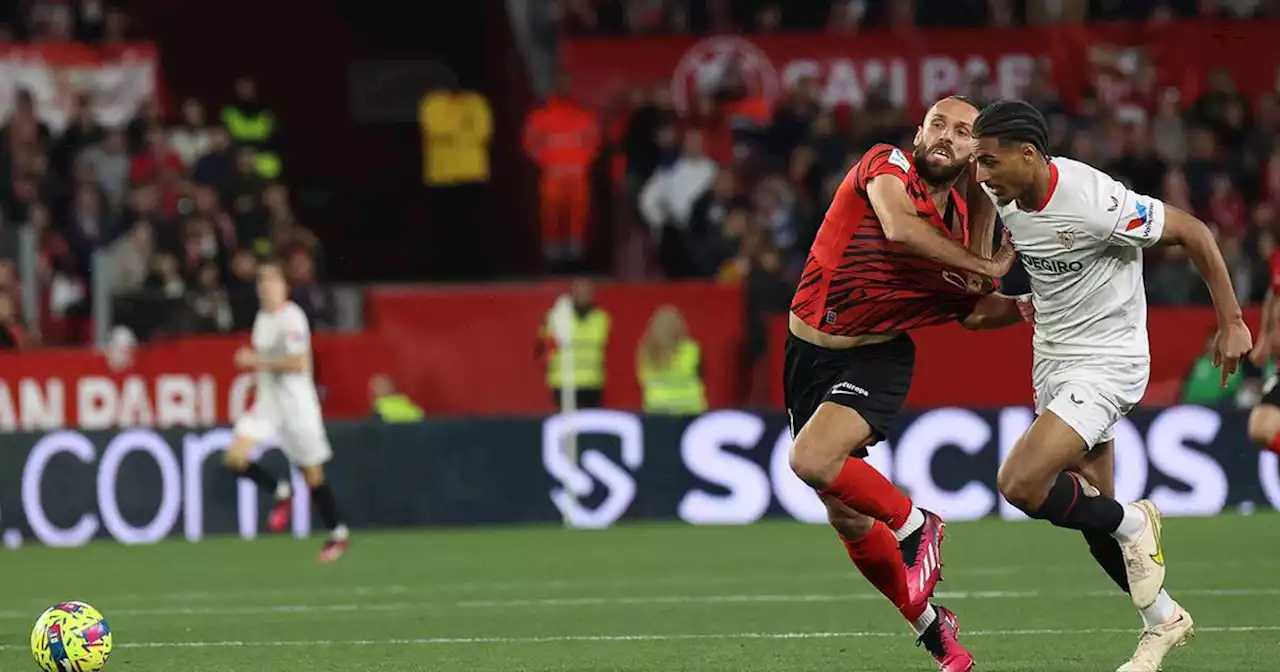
[1264, 419]
[898, 250]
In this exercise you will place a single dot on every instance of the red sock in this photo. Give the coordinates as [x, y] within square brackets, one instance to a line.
[876, 556]
[865, 490]
[1274, 446]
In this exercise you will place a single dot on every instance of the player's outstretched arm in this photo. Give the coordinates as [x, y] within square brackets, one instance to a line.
[994, 311]
[982, 214]
[1233, 340]
[901, 224]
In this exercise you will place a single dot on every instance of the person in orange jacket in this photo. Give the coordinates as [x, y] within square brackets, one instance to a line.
[563, 138]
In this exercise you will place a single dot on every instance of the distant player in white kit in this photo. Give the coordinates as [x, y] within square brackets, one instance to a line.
[1080, 236]
[287, 407]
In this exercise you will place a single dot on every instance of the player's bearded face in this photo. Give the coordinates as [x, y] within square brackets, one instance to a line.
[940, 162]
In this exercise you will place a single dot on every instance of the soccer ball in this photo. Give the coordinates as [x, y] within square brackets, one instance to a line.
[71, 637]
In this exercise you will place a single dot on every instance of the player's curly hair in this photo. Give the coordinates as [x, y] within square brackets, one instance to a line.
[1014, 121]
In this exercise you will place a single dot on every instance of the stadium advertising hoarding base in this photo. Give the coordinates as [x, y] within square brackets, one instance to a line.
[726, 467]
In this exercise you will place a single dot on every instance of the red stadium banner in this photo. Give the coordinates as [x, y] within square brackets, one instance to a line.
[921, 66]
[187, 383]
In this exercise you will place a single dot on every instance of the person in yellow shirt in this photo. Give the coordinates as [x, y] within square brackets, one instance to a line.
[669, 366]
[457, 127]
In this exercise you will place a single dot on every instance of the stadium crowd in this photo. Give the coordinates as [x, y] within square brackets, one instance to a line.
[636, 17]
[727, 190]
[735, 190]
[180, 204]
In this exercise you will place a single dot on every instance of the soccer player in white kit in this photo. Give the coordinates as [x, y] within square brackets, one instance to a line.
[1080, 235]
[287, 407]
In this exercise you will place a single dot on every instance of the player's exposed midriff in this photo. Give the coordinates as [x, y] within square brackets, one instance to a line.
[809, 334]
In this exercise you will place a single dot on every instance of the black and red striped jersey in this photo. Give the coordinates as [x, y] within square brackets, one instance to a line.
[856, 281]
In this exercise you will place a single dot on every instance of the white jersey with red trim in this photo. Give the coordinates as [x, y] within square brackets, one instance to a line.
[1083, 252]
[282, 333]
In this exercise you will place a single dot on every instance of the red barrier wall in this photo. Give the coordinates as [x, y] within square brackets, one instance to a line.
[470, 349]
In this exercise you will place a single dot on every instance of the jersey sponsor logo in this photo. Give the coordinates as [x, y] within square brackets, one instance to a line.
[1051, 265]
[1143, 220]
[897, 158]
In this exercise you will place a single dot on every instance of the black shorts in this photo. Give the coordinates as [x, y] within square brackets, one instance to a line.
[871, 379]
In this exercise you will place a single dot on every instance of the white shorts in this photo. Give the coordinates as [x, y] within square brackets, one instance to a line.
[1090, 395]
[299, 427]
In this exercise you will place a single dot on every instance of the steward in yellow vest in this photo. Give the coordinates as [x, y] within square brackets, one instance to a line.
[390, 405]
[589, 337]
[397, 408]
[669, 366]
[251, 124]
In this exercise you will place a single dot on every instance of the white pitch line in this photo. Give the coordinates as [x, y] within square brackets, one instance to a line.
[444, 641]
[603, 601]
[587, 585]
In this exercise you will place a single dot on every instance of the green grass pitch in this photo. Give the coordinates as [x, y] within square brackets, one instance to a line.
[776, 597]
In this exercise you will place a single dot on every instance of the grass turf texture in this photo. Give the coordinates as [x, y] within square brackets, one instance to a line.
[776, 596]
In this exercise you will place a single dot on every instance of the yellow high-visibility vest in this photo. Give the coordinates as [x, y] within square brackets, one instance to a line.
[254, 131]
[678, 389]
[590, 334]
[397, 408]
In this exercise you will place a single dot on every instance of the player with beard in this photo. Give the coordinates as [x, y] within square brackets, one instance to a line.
[895, 252]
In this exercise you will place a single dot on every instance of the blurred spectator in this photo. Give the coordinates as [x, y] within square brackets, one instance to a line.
[12, 334]
[562, 138]
[191, 139]
[109, 164]
[217, 166]
[127, 261]
[315, 299]
[208, 302]
[667, 200]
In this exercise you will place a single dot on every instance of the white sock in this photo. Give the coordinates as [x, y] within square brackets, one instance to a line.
[1134, 522]
[283, 490]
[926, 619]
[340, 533]
[1160, 611]
[914, 522]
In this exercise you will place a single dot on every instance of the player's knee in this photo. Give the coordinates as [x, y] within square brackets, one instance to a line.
[812, 464]
[1022, 492]
[314, 476]
[235, 460]
[1264, 424]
